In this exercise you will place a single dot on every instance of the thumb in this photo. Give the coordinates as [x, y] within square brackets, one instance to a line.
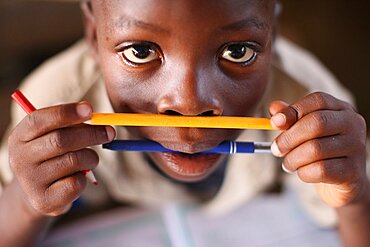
[282, 115]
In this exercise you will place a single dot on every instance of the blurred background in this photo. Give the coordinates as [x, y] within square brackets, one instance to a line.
[336, 31]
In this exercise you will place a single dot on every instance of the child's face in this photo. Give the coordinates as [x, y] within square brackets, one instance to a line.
[184, 57]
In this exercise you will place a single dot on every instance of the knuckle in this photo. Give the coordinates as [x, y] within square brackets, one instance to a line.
[57, 140]
[59, 113]
[316, 148]
[32, 121]
[321, 99]
[284, 141]
[320, 120]
[73, 158]
[323, 168]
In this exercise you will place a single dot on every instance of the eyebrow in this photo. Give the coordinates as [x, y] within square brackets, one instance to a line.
[127, 22]
[246, 23]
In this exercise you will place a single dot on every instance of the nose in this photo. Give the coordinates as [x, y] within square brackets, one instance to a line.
[190, 94]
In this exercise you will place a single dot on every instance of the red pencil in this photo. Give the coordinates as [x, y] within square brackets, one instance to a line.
[18, 97]
[26, 105]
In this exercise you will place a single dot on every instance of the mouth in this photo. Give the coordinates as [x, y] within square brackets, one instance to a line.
[187, 165]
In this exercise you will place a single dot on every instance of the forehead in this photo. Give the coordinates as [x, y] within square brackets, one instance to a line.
[171, 13]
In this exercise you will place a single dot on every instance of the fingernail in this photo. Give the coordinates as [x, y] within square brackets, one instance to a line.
[278, 120]
[275, 150]
[285, 169]
[111, 133]
[84, 110]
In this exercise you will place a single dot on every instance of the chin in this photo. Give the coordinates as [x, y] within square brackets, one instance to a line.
[187, 167]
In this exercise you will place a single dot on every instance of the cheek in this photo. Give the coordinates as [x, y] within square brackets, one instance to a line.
[128, 91]
[246, 87]
[128, 97]
[125, 86]
[246, 96]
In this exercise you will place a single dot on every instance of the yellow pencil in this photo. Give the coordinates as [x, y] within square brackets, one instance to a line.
[224, 122]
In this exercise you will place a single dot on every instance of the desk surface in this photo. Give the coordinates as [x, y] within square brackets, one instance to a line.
[274, 220]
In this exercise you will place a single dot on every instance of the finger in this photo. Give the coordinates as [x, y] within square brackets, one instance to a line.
[67, 164]
[70, 139]
[310, 103]
[318, 149]
[330, 171]
[278, 119]
[277, 106]
[314, 125]
[48, 119]
[62, 193]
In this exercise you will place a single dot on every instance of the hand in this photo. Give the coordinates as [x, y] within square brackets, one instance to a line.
[324, 142]
[47, 152]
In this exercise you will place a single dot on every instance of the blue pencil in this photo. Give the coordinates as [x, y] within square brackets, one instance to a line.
[226, 147]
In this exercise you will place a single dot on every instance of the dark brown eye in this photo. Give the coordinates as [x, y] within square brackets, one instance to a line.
[140, 53]
[239, 53]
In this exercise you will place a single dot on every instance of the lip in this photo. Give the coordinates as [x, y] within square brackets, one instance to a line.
[186, 165]
[189, 165]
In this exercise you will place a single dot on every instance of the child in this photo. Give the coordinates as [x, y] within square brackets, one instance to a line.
[188, 58]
